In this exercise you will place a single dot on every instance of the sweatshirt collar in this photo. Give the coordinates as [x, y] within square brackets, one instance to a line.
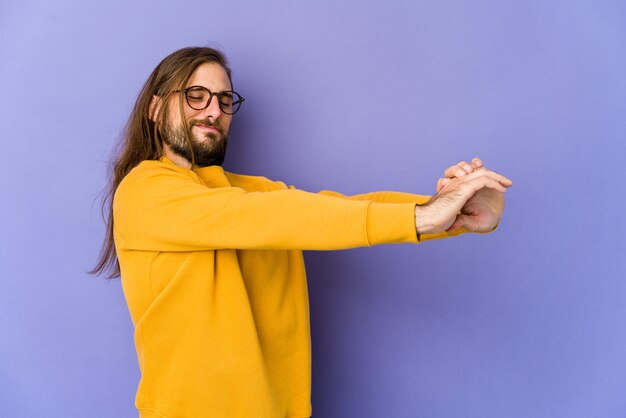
[213, 175]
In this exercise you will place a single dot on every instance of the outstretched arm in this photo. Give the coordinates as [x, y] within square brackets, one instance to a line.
[481, 198]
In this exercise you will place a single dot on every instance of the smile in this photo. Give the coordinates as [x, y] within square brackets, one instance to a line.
[207, 128]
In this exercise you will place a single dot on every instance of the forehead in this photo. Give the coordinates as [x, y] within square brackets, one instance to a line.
[210, 75]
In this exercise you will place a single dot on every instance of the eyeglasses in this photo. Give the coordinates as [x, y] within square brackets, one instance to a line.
[199, 98]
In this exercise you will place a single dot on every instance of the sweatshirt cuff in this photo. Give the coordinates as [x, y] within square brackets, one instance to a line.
[391, 223]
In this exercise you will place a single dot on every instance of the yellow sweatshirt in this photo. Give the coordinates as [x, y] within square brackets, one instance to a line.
[213, 274]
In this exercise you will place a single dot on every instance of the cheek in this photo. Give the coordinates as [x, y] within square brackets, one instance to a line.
[190, 117]
[226, 123]
[173, 119]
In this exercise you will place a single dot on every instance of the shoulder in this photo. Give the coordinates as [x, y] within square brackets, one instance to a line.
[153, 169]
[152, 175]
[255, 183]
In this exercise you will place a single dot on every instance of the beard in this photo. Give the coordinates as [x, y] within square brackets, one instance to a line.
[210, 150]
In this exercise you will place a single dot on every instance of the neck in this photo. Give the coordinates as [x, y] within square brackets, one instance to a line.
[175, 158]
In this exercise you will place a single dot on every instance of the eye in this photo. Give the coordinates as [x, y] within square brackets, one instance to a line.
[196, 95]
[226, 99]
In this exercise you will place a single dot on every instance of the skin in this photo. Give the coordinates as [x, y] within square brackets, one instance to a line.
[469, 195]
[207, 126]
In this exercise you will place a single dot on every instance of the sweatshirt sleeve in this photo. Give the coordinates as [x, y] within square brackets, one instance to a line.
[161, 209]
[400, 197]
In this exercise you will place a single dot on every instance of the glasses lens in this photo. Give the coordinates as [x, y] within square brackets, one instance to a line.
[230, 102]
[226, 101]
[198, 97]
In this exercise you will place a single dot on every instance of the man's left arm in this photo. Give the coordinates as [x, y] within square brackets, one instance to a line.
[483, 208]
[399, 197]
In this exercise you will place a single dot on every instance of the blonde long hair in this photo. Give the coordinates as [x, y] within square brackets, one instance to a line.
[142, 138]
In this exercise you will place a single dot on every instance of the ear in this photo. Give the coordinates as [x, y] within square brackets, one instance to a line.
[153, 109]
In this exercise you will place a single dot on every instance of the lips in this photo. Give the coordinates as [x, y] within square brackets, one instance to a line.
[207, 127]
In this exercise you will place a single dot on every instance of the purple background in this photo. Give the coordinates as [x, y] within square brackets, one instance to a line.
[350, 96]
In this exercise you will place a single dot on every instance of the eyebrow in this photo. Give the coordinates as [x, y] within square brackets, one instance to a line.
[212, 91]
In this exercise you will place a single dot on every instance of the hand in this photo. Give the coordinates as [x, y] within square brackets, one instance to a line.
[459, 170]
[473, 200]
[482, 211]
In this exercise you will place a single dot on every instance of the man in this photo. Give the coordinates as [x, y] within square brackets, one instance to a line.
[211, 262]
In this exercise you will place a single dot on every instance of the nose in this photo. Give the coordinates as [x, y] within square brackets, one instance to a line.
[213, 110]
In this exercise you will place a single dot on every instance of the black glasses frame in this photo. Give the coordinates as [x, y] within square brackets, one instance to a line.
[235, 105]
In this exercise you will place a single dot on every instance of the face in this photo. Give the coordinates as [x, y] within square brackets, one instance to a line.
[209, 127]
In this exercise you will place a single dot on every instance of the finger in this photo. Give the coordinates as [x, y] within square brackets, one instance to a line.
[466, 166]
[464, 221]
[458, 223]
[468, 186]
[441, 183]
[477, 162]
[474, 185]
[460, 169]
[483, 172]
[454, 171]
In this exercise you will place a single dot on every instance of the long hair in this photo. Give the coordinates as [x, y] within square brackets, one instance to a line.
[143, 137]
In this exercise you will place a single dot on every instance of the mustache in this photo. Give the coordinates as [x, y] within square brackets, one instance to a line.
[207, 122]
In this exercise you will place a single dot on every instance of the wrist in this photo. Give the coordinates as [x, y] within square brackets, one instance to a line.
[423, 223]
[417, 231]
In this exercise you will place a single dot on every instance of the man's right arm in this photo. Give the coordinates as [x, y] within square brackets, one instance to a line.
[161, 209]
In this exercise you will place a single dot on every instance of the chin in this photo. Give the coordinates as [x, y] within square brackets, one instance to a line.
[209, 137]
